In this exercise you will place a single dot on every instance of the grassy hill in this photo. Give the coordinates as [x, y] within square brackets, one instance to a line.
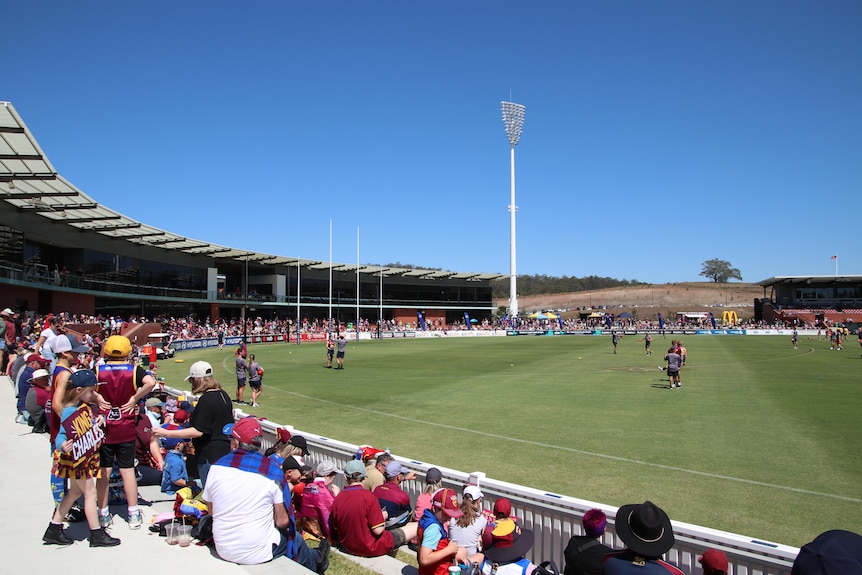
[645, 302]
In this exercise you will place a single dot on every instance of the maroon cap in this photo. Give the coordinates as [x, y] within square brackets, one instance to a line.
[447, 500]
[502, 507]
[714, 562]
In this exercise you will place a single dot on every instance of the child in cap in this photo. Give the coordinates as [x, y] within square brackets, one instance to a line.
[436, 550]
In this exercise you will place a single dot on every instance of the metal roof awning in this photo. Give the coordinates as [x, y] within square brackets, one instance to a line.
[28, 182]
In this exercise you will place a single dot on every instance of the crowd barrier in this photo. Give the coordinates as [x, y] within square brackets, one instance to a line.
[555, 518]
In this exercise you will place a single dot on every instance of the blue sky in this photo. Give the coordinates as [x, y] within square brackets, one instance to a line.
[658, 134]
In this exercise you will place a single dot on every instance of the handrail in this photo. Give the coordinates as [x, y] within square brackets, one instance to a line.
[556, 518]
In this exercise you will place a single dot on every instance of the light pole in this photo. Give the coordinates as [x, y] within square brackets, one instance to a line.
[513, 119]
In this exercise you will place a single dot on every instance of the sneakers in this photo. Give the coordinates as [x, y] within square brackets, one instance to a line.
[55, 535]
[255, 404]
[100, 538]
[106, 521]
[135, 520]
[323, 556]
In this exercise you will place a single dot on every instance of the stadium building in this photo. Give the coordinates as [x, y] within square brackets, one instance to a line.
[811, 300]
[61, 250]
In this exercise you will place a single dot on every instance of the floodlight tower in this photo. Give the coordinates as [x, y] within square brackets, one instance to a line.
[513, 119]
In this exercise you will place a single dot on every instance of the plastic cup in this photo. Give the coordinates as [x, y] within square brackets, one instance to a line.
[172, 533]
[185, 535]
[454, 570]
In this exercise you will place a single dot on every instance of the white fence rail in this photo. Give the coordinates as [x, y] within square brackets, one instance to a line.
[556, 518]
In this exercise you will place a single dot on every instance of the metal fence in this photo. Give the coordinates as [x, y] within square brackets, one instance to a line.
[556, 518]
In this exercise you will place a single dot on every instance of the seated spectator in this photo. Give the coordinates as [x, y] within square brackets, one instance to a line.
[29, 364]
[835, 552]
[506, 554]
[318, 497]
[714, 562]
[244, 495]
[433, 482]
[467, 530]
[648, 534]
[436, 551]
[502, 510]
[293, 468]
[154, 407]
[149, 460]
[179, 420]
[374, 469]
[584, 553]
[286, 445]
[357, 522]
[175, 476]
[393, 500]
[37, 399]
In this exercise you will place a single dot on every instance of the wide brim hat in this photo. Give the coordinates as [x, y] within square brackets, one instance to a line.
[645, 529]
[509, 547]
[835, 552]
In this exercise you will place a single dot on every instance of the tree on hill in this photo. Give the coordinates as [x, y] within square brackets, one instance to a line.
[719, 271]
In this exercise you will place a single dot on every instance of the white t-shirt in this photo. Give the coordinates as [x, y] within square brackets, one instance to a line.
[46, 350]
[469, 536]
[243, 520]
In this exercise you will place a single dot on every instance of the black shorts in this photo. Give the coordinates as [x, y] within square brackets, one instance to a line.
[256, 384]
[672, 372]
[240, 383]
[340, 354]
[123, 453]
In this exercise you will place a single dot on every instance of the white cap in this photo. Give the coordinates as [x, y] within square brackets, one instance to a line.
[199, 369]
[474, 492]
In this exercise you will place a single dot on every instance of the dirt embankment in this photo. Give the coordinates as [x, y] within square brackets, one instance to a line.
[646, 302]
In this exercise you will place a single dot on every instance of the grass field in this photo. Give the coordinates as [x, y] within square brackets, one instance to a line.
[761, 440]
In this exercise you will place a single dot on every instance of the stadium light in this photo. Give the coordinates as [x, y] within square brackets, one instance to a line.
[513, 120]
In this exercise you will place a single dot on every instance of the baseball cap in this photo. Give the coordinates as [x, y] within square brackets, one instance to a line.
[67, 342]
[447, 500]
[354, 467]
[199, 369]
[474, 492]
[181, 416]
[82, 378]
[394, 468]
[155, 402]
[39, 373]
[502, 507]
[36, 357]
[246, 430]
[118, 346]
[293, 462]
[283, 434]
[433, 475]
[299, 441]
[714, 562]
[7, 312]
[325, 468]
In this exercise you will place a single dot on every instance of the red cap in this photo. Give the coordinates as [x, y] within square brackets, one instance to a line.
[247, 430]
[502, 507]
[37, 357]
[714, 562]
[283, 434]
[447, 500]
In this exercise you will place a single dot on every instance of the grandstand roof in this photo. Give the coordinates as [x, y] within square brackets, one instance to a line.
[808, 279]
[29, 183]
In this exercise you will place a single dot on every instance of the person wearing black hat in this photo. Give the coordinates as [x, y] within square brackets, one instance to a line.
[835, 552]
[509, 545]
[647, 532]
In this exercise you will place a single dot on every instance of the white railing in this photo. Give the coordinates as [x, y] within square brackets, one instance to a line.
[556, 518]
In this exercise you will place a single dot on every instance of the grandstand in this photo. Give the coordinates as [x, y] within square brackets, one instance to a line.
[815, 301]
[60, 249]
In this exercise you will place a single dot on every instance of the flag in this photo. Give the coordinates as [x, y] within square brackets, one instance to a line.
[834, 257]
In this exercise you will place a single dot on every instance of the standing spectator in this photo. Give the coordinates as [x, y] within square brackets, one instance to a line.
[615, 339]
[357, 522]
[648, 534]
[255, 379]
[584, 553]
[330, 350]
[436, 551]
[9, 340]
[46, 338]
[341, 344]
[244, 495]
[122, 386]
[467, 530]
[208, 420]
[241, 374]
[506, 554]
[81, 470]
